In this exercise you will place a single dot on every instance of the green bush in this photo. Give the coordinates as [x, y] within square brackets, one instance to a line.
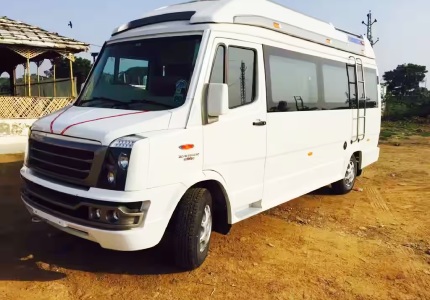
[406, 108]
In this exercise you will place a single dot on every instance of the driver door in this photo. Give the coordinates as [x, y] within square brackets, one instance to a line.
[235, 145]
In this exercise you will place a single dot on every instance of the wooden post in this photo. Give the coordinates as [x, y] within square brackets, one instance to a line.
[55, 79]
[71, 74]
[12, 81]
[38, 64]
[25, 80]
[29, 77]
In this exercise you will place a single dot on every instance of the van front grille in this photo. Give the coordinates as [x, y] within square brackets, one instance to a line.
[64, 160]
[60, 160]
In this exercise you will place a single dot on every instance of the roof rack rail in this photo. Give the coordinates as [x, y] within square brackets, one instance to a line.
[350, 33]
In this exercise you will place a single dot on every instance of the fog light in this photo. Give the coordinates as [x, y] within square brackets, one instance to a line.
[95, 213]
[111, 177]
[115, 215]
[112, 216]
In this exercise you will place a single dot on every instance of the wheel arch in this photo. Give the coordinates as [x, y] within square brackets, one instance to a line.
[220, 205]
[214, 182]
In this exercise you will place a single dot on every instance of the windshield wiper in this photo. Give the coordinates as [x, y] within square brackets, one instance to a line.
[117, 103]
[142, 101]
[95, 99]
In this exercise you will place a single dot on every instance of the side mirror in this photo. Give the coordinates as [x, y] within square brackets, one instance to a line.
[217, 99]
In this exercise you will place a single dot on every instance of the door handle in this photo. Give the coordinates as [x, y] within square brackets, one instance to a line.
[259, 123]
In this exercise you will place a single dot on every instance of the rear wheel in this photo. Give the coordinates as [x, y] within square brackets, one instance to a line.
[346, 184]
[192, 228]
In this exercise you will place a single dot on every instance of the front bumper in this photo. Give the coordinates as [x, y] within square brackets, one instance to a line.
[146, 234]
[127, 240]
[83, 210]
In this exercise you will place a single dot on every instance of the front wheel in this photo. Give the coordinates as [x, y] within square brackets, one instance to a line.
[345, 185]
[192, 228]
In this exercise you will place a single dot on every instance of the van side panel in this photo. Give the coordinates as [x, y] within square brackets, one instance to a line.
[311, 122]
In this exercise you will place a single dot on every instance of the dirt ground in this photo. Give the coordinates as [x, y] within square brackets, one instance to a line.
[370, 244]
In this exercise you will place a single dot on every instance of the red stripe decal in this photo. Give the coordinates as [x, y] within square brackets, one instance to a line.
[104, 118]
[53, 121]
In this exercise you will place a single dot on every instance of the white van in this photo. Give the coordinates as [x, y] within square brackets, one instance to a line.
[200, 115]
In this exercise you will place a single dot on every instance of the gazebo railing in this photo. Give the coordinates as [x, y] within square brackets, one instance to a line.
[12, 107]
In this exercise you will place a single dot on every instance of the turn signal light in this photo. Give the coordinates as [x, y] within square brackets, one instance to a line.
[186, 147]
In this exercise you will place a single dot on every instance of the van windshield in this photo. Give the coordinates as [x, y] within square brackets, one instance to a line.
[150, 74]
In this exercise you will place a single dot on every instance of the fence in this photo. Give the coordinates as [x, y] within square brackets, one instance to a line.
[30, 107]
[45, 88]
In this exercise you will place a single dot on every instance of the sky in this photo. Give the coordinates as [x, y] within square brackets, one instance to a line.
[403, 26]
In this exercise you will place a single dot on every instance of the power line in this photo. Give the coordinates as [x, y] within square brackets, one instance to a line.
[369, 26]
[96, 45]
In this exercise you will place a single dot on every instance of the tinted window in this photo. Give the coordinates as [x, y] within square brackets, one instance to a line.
[335, 86]
[293, 83]
[361, 93]
[299, 82]
[241, 76]
[371, 87]
[218, 70]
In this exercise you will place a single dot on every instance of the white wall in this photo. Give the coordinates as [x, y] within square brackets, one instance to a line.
[14, 135]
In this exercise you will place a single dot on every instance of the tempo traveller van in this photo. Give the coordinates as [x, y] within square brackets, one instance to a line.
[200, 115]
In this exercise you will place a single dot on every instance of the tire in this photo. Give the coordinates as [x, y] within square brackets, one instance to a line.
[345, 185]
[193, 212]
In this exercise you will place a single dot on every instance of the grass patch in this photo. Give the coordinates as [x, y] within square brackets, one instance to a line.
[386, 134]
[404, 129]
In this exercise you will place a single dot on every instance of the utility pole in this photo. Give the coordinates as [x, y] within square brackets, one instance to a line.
[243, 69]
[369, 26]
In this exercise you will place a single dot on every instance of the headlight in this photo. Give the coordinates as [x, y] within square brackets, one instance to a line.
[114, 172]
[123, 161]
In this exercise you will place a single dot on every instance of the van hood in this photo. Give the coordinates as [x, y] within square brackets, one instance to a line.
[101, 124]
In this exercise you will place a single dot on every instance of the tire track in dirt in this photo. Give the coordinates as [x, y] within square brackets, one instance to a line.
[421, 280]
[419, 277]
[377, 200]
[379, 204]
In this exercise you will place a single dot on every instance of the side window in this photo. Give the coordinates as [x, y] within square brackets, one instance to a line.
[241, 76]
[336, 95]
[301, 82]
[218, 69]
[133, 71]
[371, 88]
[109, 70]
[360, 85]
[293, 84]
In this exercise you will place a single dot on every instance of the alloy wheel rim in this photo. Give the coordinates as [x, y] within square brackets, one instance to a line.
[205, 228]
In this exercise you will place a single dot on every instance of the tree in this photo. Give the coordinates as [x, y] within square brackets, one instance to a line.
[4, 86]
[405, 80]
[4, 81]
[405, 98]
[81, 69]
